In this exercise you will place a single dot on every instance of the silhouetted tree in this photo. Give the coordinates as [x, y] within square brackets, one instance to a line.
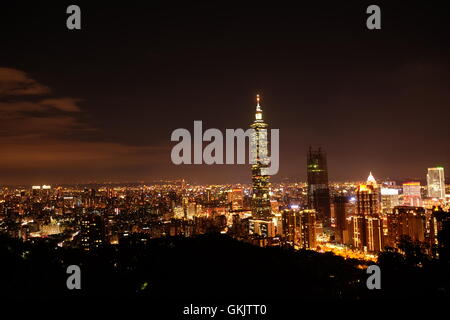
[444, 235]
[414, 251]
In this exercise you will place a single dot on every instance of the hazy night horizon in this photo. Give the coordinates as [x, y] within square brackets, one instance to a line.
[85, 107]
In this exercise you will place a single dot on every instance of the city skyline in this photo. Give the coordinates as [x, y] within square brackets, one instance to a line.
[84, 108]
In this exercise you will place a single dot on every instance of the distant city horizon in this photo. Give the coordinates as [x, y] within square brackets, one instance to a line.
[192, 182]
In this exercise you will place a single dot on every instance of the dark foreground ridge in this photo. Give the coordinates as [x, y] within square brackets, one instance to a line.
[211, 266]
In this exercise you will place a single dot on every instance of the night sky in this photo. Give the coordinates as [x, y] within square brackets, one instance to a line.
[100, 104]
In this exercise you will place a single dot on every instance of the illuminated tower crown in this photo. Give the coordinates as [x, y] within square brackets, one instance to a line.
[261, 208]
[258, 114]
[371, 180]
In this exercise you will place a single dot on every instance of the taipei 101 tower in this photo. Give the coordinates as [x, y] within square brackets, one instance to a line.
[260, 201]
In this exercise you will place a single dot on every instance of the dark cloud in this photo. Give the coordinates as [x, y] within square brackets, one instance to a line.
[29, 116]
[17, 83]
[45, 134]
[63, 104]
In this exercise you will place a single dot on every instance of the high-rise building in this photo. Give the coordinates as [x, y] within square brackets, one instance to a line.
[261, 208]
[436, 183]
[406, 220]
[236, 199]
[366, 226]
[264, 228]
[357, 229]
[411, 194]
[291, 226]
[389, 199]
[92, 232]
[299, 228]
[318, 191]
[439, 218]
[340, 208]
[366, 233]
[308, 222]
[374, 233]
[367, 201]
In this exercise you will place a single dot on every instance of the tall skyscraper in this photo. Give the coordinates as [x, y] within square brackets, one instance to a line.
[367, 226]
[367, 198]
[340, 206]
[318, 191]
[436, 183]
[261, 208]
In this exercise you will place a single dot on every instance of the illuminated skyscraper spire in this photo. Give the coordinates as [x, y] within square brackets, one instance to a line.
[261, 201]
[258, 114]
[371, 180]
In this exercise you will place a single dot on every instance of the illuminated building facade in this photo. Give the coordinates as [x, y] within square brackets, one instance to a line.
[357, 230]
[264, 228]
[366, 225]
[236, 199]
[408, 221]
[366, 233]
[389, 199]
[318, 190]
[374, 233]
[367, 200]
[92, 232]
[411, 194]
[299, 228]
[291, 226]
[308, 230]
[436, 183]
[261, 208]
